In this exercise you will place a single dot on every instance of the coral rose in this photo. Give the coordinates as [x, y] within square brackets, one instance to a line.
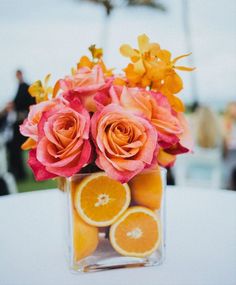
[63, 146]
[155, 106]
[29, 128]
[87, 84]
[126, 143]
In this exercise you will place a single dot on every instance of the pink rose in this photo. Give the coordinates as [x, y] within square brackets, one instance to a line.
[126, 143]
[29, 128]
[156, 108]
[87, 84]
[63, 146]
[185, 143]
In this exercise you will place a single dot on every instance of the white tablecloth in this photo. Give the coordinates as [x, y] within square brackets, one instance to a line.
[201, 242]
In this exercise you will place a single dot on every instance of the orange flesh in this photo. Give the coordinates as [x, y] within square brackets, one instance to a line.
[144, 225]
[102, 186]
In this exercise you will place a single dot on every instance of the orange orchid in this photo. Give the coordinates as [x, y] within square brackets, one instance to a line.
[97, 54]
[172, 80]
[28, 144]
[120, 81]
[165, 159]
[85, 62]
[151, 67]
[41, 91]
[147, 52]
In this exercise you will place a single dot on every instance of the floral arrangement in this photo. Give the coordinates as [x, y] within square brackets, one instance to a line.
[96, 119]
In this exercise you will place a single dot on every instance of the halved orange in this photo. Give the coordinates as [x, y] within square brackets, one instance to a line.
[147, 188]
[85, 238]
[101, 200]
[136, 233]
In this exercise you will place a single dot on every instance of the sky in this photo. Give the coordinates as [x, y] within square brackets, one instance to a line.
[49, 36]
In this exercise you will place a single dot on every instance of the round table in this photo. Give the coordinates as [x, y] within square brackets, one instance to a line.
[201, 242]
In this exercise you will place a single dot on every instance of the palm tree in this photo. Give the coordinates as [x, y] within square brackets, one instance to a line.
[189, 46]
[110, 5]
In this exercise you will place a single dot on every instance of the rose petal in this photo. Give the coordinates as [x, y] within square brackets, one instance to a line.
[38, 169]
[75, 165]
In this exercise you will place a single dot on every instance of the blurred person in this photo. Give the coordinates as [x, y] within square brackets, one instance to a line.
[207, 130]
[204, 167]
[20, 109]
[170, 176]
[171, 173]
[209, 145]
[7, 181]
[194, 106]
[230, 145]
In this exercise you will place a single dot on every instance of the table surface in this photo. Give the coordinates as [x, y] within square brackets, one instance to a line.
[201, 242]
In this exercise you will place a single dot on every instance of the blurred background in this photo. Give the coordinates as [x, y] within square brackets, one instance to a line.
[38, 37]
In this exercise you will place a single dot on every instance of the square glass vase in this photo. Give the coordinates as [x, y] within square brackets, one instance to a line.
[113, 225]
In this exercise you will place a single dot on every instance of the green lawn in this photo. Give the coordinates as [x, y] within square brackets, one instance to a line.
[30, 185]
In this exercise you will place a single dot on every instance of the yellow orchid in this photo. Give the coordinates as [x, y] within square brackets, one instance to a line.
[165, 159]
[28, 144]
[119, 81]
[174, 101]
[56, 88]
[147, 52]
[172, 80]
[85, 62]
[41, 91]
[152, 67]
[97, 54]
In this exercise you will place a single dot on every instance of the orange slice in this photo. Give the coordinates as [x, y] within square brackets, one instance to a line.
[136, 233]
[85, 238]
[146, 189]
[100, 200]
